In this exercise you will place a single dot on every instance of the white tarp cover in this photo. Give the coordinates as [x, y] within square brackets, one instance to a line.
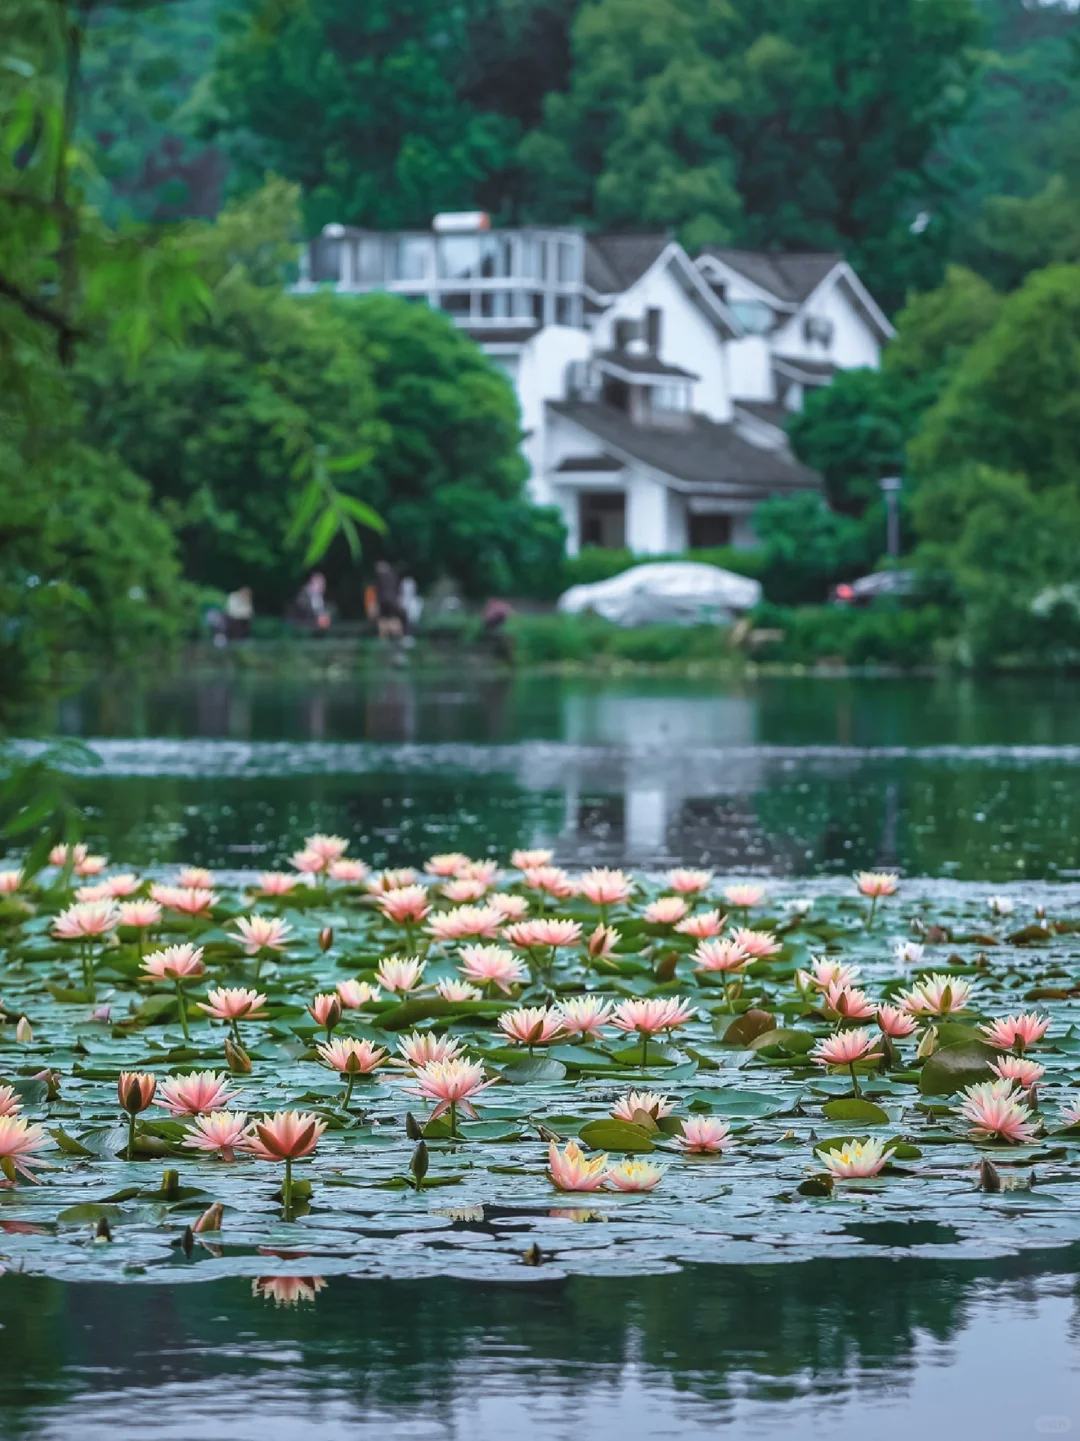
[683, 592]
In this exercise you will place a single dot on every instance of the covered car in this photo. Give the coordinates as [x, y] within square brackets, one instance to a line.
[679, 592]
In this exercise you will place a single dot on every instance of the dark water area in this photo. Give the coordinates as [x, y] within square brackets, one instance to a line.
[882, 1348]
[972, 779]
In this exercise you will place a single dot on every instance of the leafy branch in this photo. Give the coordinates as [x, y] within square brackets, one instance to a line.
[323, 511]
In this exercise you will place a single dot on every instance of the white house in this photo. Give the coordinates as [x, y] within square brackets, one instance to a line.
[653, 387]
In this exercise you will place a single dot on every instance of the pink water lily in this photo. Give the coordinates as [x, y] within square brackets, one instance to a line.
[392, 880]
[720, 956]
[601, 943]
[348, 872]
[894, 1022]
[689, 882]
[464, 923]
[234, 1003]
[89, 894]
[825, 973]
[571, 1170]
[846, 1002]
[937, 995]
[422, 1048]
[758, 944]
[452, 1085]
[530, 935]
[651, 1102]
[532, 1025]
[88, 865]
[450, 990]
[877, 883]
[667, 911]
[221, 1132]
[449, 864]
[605, 887]
[1016, 1032]
[463, 891]
[10, 881]
[287, 1290]
[405, 906]
[188, 900]
[649, 1017]
[261, 933]
[309, 863]
[845, 1048]
[325, 1010]
[353, 994]
[704, 926]
[551, 880]
[1021, 1069]
[400, 974]
[744, 897]
[511, 908]
[492, 965]
[140, 915]
[585, 1015]
[195, 878]
[524, 860]
[351, 1058]
[330, 848]
[996, 1114]
[175, 963]
[19, 1141]
[195, 1094]
[90, 920]
[276, 883]
[10, 1102]
[1070, 1112]
[285, 1136]
[704, 1136]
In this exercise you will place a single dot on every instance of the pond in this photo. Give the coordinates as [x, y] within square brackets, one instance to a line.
[974, 779]
[748, 1292]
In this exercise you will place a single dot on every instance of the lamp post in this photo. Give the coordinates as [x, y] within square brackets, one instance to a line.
[890, 489]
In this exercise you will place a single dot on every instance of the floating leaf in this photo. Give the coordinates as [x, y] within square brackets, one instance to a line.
[613, 1135]
[953, 1067]
[855, 1108]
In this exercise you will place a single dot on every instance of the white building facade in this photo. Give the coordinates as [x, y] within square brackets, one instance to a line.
[654, 387]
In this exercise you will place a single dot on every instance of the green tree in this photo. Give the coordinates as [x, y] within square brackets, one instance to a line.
[1013, 401]
[446, 474]
[272, 379]
[359, 102]
[808, 548]
[781, 123]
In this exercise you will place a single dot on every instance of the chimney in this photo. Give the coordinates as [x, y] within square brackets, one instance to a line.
[653, 319]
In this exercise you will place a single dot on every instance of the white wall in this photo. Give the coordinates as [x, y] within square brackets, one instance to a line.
[646, 515]
[854, 342]
[687, 337]
[541, 376]
[750, 368]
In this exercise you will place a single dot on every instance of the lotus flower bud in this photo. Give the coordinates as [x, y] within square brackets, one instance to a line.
[413, 1129]
[237, 1059]
[989, 1178]
[52, 1083]
[326, 1009]
[210, 1220]
[326, 938]
[927, 1044]
[419, 1163]
[135, 1090]
[23, 1033]
[602, 942]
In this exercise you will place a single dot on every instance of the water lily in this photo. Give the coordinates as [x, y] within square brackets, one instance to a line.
[406, 906]
[1009, 1033]
[451, 1084]
[285, 1136]
[689, 882]
[585, 1015]
[400, 974]
[466, 923]
[703, 926]
[347, 871]
[532, 1025]
[135, 1091]
[936, 995]
[195, 1094]
[875, 885]
[449, 990]
[856, 1160]
[422, 1048]
[351, 1058]
[605, 887]
[526, 860]
[492, 966]
[744, 897]
[571, 1170]
[650, 1017]
[263, 933]
[234, 1004]
[634, 1175]
[10, 1101]
[1021, 1069]
[287, 1290]
[464, 890]
[651, 1102]
[10, 881]
[276, 883]
[846, 1048]
[19, 1141]
[177, 964]
[221, 1133]
[996, 1114]
[353, 994]
[667, 911]
[757, 944]
[449, 864]
[704, 1136]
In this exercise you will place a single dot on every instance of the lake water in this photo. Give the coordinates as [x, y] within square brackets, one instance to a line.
[799, 778]
[963, 778]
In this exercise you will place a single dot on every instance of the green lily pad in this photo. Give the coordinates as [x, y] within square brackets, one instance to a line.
[616, 1135]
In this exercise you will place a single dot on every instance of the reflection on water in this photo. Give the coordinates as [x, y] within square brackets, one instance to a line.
[839, 1350]
[792, 776]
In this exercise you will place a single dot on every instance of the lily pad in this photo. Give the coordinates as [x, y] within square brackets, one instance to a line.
[953, 1067]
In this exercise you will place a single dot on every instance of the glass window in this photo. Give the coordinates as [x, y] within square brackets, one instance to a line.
[564, 311]
[411, 258]
[369, 262]
[567, 272]
[457, 302]
[670, 397]
[753, 315]
[543, 246]
[459, 257]
[325, 259]
[537, 299]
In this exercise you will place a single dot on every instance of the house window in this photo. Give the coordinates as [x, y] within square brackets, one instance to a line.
[369, 262]
[708, 532]
[411, 258]
[566, 262]
[670, 397]
[817, 330]
[537, 301]
[603, 519]
[755, 316]
[564, 310]
[457, 303]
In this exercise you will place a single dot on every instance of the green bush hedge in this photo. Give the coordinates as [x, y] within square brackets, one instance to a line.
[584, 639]
[884, 634]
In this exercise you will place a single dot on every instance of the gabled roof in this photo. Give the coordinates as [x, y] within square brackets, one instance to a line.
[641, 365]
[614, 262]
[791, 279]
[705, 458]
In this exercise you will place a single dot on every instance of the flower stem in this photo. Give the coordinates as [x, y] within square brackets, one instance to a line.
[286, 1190]
[453, 1120]
[644, 1049]
[854, 1079]
[873, 908]
[348, 1089]
[131, 1136]
[183, 1010]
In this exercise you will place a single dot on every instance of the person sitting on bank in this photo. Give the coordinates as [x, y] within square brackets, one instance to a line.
[239, 610]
